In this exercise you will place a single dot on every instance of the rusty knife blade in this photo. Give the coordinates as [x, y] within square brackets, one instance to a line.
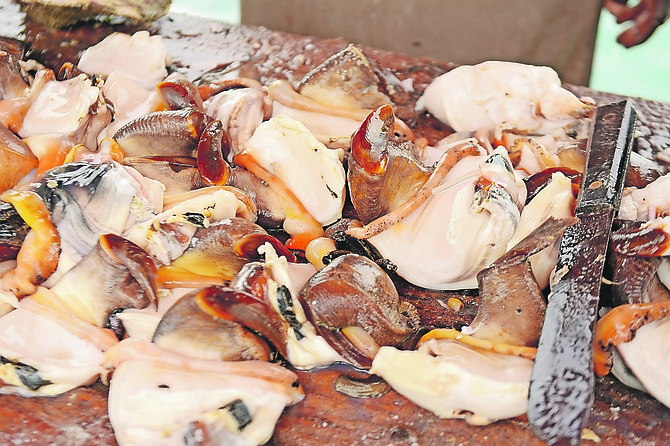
[562, 380]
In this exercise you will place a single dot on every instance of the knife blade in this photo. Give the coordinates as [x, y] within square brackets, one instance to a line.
[562, 380]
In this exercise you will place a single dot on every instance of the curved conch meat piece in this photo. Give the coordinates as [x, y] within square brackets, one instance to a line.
[18, 96]
[631, 339]
[241, 110]
[618, 326]
[636, 362]
[458, 223]
[159, 397]
[217, 252]
[132, 67]
[312, 172]
[355, 306]
[216, 323]
[645, 357]
[453, 380]
[115, 275]
[128, 101]
[523, 107]
[39, 253]
[45, 350]
[556, 199]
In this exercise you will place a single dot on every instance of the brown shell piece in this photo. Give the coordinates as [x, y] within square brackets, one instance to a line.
[383, 172]
[12, 83]
[136, 261]
[213, 148]
[179, 174]
[634, 280]
[116, 274]
[346, 79]
[214, 253]
[353, 291]
[176, 92]
[512, 305]
[193, 328]
[171, 132]
[246, 309]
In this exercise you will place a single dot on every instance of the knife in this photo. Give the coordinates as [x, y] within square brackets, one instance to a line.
[562, 380]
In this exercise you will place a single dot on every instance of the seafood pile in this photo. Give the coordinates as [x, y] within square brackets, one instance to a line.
[194, 243]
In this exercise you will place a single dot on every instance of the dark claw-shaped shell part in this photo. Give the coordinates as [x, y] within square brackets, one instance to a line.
[384, 171]
[536, 182]
[206, 91]
[368, 143]
[247, 310]
[201, 324]
[176, 92]
[171, 133]
[178, 174]
[68, 71]
[248, 246]
[640, 238]
[213, 149]
[634, 280]
[140, 265]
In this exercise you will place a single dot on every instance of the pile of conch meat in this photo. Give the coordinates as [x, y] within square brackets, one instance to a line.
[193, 242]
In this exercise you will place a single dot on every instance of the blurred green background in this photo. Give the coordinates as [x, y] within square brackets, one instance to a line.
[642, 71]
